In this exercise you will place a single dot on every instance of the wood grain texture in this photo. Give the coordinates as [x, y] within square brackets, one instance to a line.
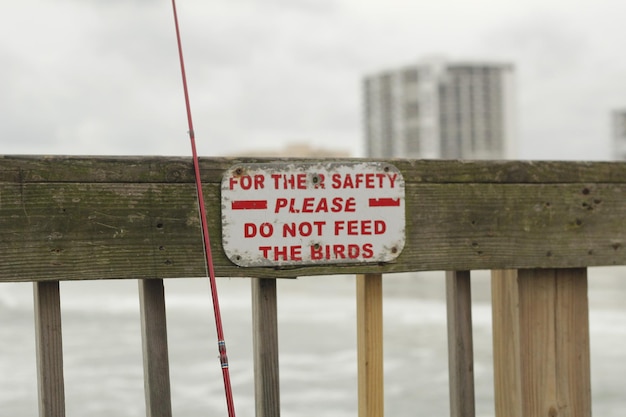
[65, 218]
[155, 350]
[49, 348]
[460, 343]
[506, 343]
[573, 343]
[265, 346]
[369, 307]
[550, 375]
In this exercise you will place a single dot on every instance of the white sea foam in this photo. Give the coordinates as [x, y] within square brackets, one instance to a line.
[317, 337]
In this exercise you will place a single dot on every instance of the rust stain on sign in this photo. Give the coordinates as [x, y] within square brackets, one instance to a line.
[312, 213]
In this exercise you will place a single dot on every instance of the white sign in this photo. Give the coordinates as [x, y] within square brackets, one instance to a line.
[315, 213]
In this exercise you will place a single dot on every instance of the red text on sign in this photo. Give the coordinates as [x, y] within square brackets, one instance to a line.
[361, 180]
[340, 251]
[315, 205]
[247, 182]
[282, 253]
[251, 230]
[289, 181]
[303, 229]
[360, 227]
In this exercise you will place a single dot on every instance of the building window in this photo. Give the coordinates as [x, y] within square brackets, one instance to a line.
[410, 75]
[413, 141]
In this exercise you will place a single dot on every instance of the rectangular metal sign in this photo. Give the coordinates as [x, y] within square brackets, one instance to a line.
[312, 213]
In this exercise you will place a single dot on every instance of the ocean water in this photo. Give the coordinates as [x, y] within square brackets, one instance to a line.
[317, 337]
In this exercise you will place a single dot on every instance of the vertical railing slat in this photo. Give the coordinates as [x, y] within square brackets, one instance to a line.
[369, 296]
[155, 351]
[49, 349]
[506, 343]
[265, 345]
[460, 343]
[541, 343]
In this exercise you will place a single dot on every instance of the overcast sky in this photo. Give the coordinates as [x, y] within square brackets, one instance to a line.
[102, 76]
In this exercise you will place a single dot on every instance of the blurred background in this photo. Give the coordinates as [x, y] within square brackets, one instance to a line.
[102, 77]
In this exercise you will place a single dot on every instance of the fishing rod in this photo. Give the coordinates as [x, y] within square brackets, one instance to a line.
[205, 230]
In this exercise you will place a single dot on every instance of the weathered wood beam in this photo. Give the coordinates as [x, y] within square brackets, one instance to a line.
[460, 344]
[369, 311]
[541, 343]
[101, 218]
[154, 345]
[265, 344]
[49, 340]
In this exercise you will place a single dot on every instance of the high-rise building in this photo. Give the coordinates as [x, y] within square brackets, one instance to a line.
[619, 135]
[439, 109]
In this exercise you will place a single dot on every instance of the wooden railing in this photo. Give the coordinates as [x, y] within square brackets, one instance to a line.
[536, 225]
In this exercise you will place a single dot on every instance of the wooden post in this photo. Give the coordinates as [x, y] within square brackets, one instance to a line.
[49, 350]
[265, 344]
[155, 352]
[541, 343]
[506, 343]
[369, 309]
[460, 343]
